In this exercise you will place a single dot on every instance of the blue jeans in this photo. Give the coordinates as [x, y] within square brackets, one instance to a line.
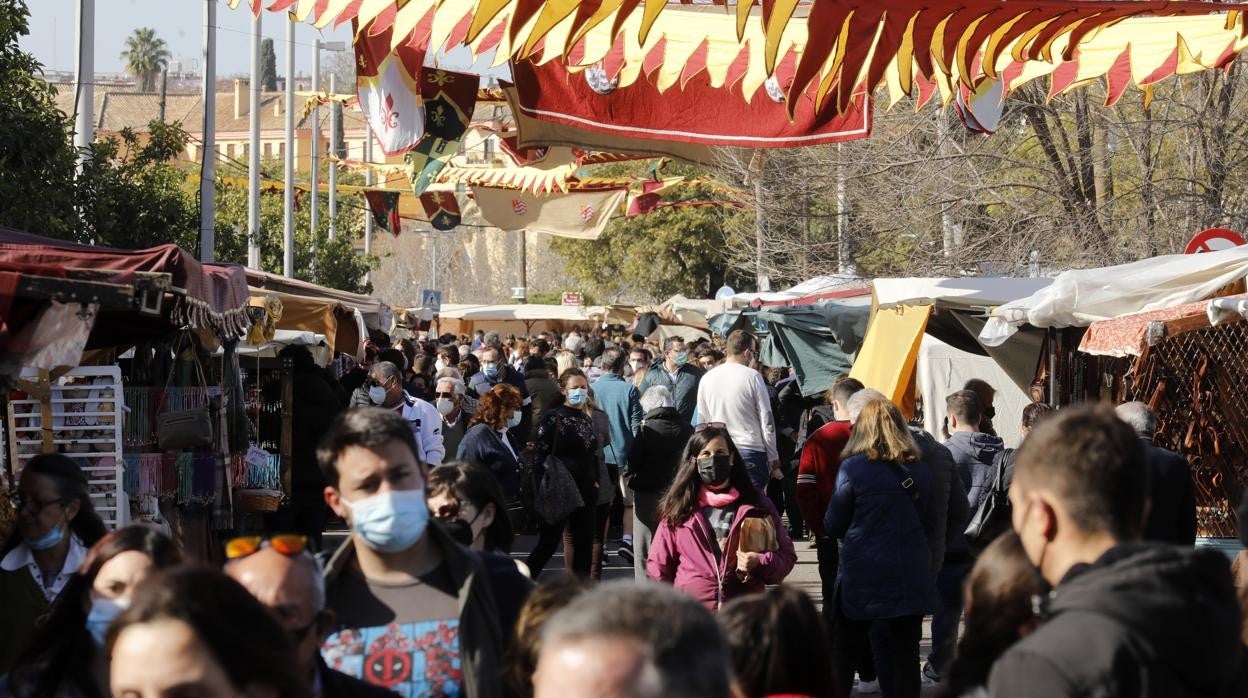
[949, 611]
[758, 466]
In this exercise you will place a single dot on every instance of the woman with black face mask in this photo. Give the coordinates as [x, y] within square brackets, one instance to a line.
[698, 543]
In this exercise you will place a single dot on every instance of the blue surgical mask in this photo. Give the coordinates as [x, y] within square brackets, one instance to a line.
[103, 611]
[377, 395]
[515, 420]
[390, 522]
[576, 396]
[48, 540]
[490, 370]
[682, 358]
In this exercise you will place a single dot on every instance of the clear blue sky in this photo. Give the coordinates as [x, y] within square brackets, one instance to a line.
[179, 22]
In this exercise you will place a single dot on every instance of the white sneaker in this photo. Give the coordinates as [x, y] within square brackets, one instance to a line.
[865, 687]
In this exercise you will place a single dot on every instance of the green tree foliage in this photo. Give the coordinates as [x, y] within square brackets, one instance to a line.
[337, 263]
[145, 55]
[659, 254]
[130, 195]
[36, 155]
[268, 66]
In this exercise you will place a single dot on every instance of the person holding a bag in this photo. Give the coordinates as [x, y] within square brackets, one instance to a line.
[884, 581]
[567, 506]
[718, 536]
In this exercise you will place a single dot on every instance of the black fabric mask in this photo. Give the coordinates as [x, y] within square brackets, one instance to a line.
[714, 469]
[990, 412]
[459, 530]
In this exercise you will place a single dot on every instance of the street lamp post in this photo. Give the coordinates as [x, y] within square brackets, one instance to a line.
[317, 47]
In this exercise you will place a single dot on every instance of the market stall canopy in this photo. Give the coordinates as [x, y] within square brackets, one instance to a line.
[377, 315]
[958, 314]
[889, 352]
[824, 50]
[333, 321]
[818, 341]
[1077, 298]
[316, 343]
[831, 286]
[1131, 335]
[963, 293]
[206, 297]
[942, 369]
[518, 319]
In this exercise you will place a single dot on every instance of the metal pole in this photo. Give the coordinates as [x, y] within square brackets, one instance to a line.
[316, 137]
[524, 263]
[333, 153]
[84, 77]
[288, 170]
[253, 152]
[208, 170]
[164, 92]
[368, 181]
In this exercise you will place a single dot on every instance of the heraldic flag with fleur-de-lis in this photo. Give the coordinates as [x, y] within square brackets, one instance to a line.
[387, 86]
[449, 100]
[442, 209]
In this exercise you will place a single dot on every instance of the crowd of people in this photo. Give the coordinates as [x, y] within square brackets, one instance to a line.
[1063, 567]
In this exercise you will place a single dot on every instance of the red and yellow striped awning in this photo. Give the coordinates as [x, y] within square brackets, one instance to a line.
[822, 47]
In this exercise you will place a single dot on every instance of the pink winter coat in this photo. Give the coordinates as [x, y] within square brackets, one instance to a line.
[685, 557]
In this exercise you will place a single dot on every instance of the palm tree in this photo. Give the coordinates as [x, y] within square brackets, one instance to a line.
[145, 56]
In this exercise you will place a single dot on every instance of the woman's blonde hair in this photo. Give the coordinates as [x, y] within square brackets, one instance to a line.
[881, 433]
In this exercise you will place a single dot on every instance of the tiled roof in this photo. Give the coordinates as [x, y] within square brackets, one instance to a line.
[122, 108]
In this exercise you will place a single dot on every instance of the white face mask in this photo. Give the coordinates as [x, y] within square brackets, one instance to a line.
[377, 395]
[636, 365]
[445, 406]
[515, 419]
[440, 365]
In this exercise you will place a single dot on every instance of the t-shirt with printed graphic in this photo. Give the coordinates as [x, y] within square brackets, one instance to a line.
[720, 520]
[404, 637]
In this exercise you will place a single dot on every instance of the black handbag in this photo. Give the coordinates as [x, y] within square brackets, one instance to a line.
[992, 517]
[184, 429]
[557, 495]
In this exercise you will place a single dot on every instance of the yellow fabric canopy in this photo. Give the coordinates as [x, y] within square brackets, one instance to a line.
[319, 316]
[889, 352]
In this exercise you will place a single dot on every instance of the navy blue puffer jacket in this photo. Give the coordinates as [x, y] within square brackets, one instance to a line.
[884, 569]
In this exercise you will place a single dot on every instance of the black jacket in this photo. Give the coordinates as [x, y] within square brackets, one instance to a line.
[656, 451]
[1145, 621]
[1172, 514]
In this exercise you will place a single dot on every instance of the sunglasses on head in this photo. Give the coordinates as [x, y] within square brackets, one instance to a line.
[286, 544]
[709, 425]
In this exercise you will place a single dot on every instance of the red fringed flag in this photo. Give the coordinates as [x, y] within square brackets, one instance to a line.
[385, 208]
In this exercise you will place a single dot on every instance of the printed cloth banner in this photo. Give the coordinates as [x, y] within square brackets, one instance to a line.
[581, 215]
[385, 209]
[449, 101]
[427, 159]
[694, 113]
[441, 208]
[386, 84]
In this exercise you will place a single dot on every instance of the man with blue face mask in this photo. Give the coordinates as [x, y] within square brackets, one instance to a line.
[674, 371]
[495, 370]
[415, 612]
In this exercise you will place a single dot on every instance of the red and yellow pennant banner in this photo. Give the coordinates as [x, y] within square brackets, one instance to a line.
[836, 46]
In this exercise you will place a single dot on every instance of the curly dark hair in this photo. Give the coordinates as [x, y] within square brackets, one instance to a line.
[495, 407]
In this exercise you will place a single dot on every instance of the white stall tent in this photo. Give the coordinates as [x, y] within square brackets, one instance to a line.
[1079, 297]
[518, 319]
[942, 369]
[962, 293]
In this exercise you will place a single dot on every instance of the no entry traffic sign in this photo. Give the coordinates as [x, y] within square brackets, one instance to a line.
[1213, 240]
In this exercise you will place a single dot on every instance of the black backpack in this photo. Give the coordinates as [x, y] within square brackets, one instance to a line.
[992, 517]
